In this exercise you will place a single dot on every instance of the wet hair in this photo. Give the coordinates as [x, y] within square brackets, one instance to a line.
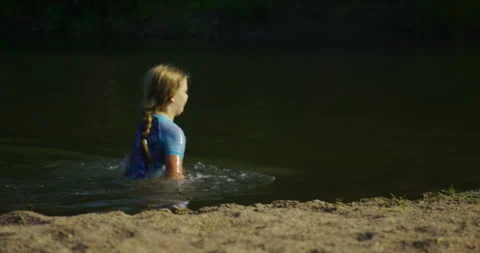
[160, 84]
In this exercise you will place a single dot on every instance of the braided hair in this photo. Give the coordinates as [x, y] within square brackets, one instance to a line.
[160, 84]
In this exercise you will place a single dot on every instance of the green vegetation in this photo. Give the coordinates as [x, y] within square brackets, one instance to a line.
[399, 204]
[398, 201]
[339, 203]
[216, 19]
[471, 197]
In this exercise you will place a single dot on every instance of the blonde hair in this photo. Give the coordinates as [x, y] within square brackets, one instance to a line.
[160, 84]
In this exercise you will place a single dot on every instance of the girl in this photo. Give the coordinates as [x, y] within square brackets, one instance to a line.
[159, 143]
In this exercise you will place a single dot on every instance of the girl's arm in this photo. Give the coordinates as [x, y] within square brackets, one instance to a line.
[174, 167]
[174, 151]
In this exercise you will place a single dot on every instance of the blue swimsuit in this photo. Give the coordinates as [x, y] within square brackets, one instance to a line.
[165, 138]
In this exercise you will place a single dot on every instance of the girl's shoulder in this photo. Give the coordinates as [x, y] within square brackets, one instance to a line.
[167, 125]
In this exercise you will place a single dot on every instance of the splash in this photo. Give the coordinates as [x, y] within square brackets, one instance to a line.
[210, 179]
[81, 183]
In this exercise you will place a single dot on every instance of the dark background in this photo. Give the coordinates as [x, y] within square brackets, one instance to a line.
[348, 21]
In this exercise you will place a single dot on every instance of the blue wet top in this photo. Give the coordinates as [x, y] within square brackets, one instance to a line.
[165, 138]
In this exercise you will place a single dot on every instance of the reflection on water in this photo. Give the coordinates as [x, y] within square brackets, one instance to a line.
[68, 185]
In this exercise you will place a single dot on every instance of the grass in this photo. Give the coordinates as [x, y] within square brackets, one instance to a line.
[449, 194]
[398, 201]
[339, 203]
[452, 194]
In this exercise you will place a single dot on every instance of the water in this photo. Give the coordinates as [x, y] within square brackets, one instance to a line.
[261, 125]
[62, 182]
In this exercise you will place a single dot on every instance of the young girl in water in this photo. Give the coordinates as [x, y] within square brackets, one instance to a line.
[159, 143]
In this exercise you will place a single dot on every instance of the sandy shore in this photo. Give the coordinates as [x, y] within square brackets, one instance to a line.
[436, 223]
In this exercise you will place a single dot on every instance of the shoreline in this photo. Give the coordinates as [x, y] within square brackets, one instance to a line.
[446, 221]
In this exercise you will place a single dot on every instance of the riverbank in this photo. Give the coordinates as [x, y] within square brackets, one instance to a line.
[438, 222]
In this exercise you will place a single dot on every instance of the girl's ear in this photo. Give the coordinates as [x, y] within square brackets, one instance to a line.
[172, 99]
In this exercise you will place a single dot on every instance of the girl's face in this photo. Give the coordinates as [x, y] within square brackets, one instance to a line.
[180, 98]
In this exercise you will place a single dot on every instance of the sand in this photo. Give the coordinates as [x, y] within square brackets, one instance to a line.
[436, 223]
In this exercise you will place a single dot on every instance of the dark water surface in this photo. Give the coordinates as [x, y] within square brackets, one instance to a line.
[261, 125]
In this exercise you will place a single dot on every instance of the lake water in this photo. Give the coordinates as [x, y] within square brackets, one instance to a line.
[261, 124]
